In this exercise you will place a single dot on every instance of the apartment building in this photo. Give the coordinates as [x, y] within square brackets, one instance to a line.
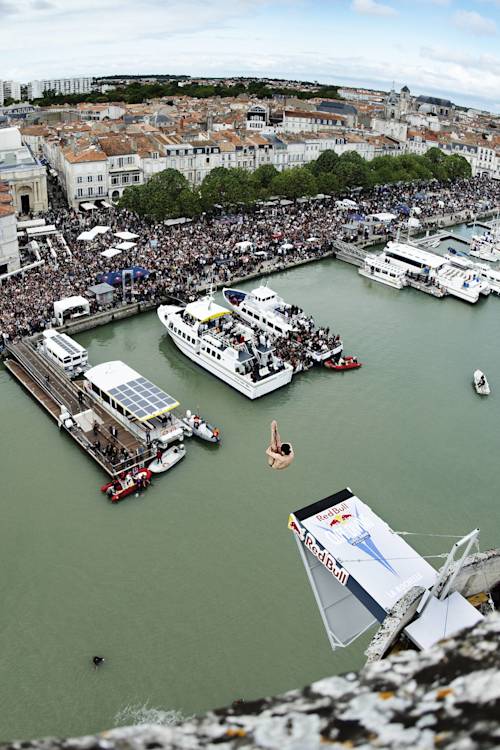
[79, 85]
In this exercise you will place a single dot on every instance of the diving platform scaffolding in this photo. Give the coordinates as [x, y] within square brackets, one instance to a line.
[82, 418]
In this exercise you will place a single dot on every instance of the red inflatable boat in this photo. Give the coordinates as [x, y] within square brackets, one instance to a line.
[344, 363]
[120, 488]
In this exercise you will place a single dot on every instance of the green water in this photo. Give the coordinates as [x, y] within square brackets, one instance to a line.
[195, 593]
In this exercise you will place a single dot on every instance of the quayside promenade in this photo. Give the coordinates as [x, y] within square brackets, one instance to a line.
[182, 260]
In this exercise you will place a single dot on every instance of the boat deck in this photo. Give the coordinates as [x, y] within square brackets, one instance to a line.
[54, 392]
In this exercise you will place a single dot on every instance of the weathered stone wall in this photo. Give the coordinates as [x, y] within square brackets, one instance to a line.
[448, 697]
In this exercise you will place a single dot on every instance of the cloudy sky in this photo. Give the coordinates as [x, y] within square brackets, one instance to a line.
[441, 47]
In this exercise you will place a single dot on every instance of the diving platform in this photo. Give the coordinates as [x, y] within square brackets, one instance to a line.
[359, 568]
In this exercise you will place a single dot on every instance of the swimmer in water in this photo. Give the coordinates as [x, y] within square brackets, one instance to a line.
[280, 455]
[97, 661]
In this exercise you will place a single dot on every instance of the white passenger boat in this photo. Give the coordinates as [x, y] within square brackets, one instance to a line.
[480, 383]
[483, 270]
[490, 276]
[170, 458]
[263, 308]
[382, 270]
[201, 428]
[213, 338]
[424, 266]
[486, 247]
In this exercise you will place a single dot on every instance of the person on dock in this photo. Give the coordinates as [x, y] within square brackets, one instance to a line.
[280, 455]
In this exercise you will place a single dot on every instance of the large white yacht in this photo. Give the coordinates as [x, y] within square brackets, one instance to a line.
[486, 247]
[263, 308]
[424, 266]
[213, 338]
[489, 275]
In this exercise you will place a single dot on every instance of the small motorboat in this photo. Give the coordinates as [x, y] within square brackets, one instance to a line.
[344, 363]
[127, 484]
[480, 383]
[201, 428]
[168, 459]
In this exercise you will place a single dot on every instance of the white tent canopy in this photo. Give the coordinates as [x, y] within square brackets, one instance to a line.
[111, 252]
[126, 235]
[70, 303]
[382, 217]
[45, 229]
[174, 222]
[100, 230]
[125, 245]
[88, 206]
[346, 203]
[243, 245]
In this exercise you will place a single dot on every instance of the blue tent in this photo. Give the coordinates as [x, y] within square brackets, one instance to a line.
[115, 277]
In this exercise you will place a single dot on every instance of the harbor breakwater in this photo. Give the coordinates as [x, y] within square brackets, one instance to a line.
[447, 697]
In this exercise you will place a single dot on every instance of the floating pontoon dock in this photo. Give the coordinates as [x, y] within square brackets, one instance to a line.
[77, 413]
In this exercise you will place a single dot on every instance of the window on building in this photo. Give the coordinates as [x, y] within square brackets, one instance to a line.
[100, 190]
[136, 178]
[99, 178]
[79, 192]
[120, 161]
[79, 179]
[89, 178]
[125, 178]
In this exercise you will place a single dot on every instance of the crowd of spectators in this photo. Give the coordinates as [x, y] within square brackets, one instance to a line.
[182, 259]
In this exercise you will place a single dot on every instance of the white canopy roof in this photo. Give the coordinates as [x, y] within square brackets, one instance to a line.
[88, 206]
[68, 303]
[126, 235]
[100, 230]
[206, 309]
[243, 245]
[139, 397]
[85, 236]
[36, 231]
[383, 217]
[111, 252]
[125, 245]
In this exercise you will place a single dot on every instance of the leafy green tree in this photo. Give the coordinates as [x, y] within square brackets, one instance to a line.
[353, 170]
[457, 167]
[227, 187]
[327, 161]
[264, 175]
[133, 199]
[294, 183]
[329, 183]
[166, 195]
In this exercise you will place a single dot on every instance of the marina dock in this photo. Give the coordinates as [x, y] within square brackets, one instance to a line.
[68, 404]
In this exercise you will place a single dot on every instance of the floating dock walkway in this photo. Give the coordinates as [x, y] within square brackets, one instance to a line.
[84, 420]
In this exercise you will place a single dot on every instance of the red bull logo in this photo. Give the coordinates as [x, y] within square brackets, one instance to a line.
[340, 518]
[294, 526]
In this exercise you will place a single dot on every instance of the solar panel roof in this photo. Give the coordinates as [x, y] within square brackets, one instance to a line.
[142, 399]
[69, 346]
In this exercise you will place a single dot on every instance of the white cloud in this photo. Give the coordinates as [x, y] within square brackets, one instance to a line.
[372, 8]
[474, 22]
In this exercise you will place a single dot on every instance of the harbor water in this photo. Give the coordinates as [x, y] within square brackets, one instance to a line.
[195, 592]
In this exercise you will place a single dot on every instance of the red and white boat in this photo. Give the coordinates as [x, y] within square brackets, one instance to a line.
[126, 485]
[344, 363]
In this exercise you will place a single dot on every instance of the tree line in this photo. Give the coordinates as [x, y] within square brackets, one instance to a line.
[168, 194]
[136, 92]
